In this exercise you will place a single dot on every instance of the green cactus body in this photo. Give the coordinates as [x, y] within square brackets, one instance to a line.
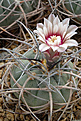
[74, 7]
[39, 97]
[8, 6]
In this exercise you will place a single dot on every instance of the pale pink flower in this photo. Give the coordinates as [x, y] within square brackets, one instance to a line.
[55, 35]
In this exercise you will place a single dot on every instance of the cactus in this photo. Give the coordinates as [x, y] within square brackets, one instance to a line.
[10, 10]
[35, 98]
[74, 8]
[40, 72]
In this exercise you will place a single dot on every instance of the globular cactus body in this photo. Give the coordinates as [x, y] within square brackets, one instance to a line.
[39, 97]
[10, 10]
[41, 80]
[74, 8]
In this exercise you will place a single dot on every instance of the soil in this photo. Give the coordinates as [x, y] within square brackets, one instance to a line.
[10, 111]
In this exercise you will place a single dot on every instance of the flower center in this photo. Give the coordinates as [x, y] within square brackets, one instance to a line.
[55, 40]
[52, 38]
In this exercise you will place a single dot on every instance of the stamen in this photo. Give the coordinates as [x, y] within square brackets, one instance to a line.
[53, 38]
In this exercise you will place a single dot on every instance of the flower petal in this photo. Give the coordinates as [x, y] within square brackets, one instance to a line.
[54, 48]
[61, 49]
[48, 26]
[55, 29]
[58, 41]
[43, 47]
[60, 28]
[69, 35]
[71, 31]
[40, 34]
[51, 18]
[40, 30]
[45, 22]
[40, 25]
[45, 31]
[72, 28]
[40, 38]
[63, 46]
[46, 54]
[71, 42]
[56, 21]
[64, 30]
[66, 21]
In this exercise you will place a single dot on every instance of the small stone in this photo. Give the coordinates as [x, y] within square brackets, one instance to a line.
[1, 100]
[13, 46]
[79, 107]
[5, 119]
[27, 118]
[22, 117]
[17, 42]
[8, 83]
[1, 114]
[17, 116]
[0, 73]
[22, 52]
[10, 116]
[1, 63]
[1, 110]
[1, 119]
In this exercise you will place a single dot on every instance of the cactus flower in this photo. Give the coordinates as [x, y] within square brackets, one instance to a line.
[55, 36]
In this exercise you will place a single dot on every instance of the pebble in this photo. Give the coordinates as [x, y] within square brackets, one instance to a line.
[1, 63]
[1, 100]
[1, 110]
[27, 118]
[1, 114]
[5, 119]
[17, 116]
[22, 117]
[13, 46]
[10, 116]
[1, 119]
[0, 73]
